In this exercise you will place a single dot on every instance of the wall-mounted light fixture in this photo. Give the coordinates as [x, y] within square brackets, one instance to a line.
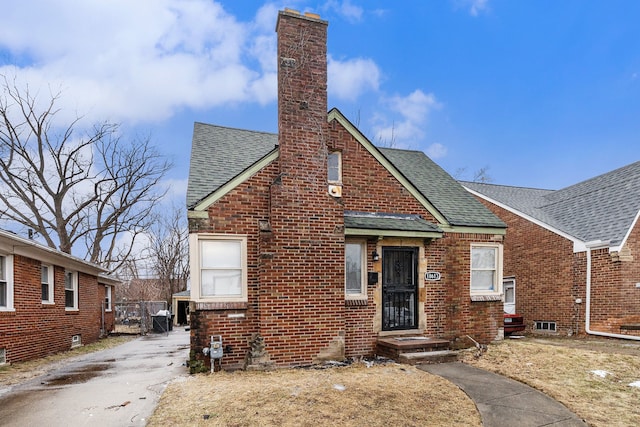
[374, 255]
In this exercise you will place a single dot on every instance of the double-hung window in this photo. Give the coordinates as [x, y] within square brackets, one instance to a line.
[46, 279]
[486, 269]
[71, 290]
[355, 268]
[221, 263]
[6, 283]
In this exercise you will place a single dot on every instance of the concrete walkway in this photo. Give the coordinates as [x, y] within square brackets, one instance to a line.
[117, 387]
[503, 402]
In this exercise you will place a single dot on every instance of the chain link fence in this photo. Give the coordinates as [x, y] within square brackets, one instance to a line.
[139, 317]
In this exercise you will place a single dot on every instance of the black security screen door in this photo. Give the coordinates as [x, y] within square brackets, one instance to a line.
[399, 288]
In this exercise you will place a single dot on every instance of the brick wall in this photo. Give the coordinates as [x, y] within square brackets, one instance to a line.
[546, 273]
[550, 278]
[35, 329]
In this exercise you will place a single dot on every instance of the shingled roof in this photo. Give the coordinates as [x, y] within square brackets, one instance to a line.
[601, 208]
[219, 154]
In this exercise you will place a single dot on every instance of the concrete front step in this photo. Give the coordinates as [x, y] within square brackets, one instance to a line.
[395, 347]
[421, 357]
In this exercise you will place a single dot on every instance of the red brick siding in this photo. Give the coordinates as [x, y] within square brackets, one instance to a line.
[550, 278]
[35, 329]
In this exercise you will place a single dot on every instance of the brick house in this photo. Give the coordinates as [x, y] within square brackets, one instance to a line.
[571, 256]
[313, 244]
[49, 301]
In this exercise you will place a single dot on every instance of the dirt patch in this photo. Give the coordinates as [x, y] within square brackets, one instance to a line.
[356, 395]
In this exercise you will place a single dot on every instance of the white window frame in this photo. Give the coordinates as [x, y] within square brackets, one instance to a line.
[362, 294]
[339, 171]
[497, 277]
[74, 284]
[49, 282]
[195, 241]
[108, 293]
[7, 272]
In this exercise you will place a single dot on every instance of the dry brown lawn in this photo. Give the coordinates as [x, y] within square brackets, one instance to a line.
[357, 395]
[564, 369]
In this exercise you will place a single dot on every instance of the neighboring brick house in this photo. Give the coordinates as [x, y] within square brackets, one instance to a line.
[312, 244]
[49, 301]
[572, 256]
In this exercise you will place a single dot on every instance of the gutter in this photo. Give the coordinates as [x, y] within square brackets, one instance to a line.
[598, 244]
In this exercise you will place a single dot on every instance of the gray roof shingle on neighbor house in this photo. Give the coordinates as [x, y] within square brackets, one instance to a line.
[219, 154]
[601, 208]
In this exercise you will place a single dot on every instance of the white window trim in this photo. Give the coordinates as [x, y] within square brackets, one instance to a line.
[9, 280]
[363, 272]
[339, 180]
[50, 282]
[108, 290]
[74, 275]
[497, 292]
[194, 263]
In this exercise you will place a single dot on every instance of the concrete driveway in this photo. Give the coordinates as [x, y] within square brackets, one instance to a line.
[120, 386]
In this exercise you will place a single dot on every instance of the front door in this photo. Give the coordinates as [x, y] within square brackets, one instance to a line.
[399, 288]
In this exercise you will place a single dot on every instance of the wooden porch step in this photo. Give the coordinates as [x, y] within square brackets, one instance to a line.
[437, 356]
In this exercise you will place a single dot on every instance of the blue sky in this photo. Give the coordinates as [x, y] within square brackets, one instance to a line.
[543, 93]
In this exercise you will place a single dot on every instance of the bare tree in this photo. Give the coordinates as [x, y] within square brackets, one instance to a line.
[168, 254]
[72, 187]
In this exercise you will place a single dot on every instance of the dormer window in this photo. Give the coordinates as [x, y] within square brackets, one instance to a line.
[334, 167]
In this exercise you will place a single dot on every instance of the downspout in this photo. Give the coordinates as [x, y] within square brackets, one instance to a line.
[587, 318]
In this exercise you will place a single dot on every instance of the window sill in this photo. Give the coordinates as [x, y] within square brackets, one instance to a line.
[7, 310]
[48, 303]
[71, 310]
[486, 297]
[222, 305]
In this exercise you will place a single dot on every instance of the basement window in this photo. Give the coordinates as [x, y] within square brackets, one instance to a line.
[545, 326]
[3, 356]
[76, 341]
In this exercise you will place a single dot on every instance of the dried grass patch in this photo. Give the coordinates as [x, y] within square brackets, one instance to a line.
[565, 373]
[356, 395]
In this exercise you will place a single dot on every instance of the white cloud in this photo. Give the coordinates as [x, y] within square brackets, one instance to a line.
[349, 79]
[413, 110]
[436, 151]
[140, 61]
[346, 9]
[475, 7]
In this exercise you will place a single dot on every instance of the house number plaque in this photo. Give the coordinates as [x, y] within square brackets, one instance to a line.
[432, 275]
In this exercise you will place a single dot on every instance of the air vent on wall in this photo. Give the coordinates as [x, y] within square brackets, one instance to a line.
[3, 356]
[335, 190]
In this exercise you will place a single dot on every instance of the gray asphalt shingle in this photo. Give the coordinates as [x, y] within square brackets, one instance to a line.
[219, 154]
[600, 208]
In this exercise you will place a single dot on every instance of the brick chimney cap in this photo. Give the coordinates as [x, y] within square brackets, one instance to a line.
[310, 16]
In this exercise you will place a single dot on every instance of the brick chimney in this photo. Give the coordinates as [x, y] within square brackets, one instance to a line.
[302, 89]
[301, 300]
